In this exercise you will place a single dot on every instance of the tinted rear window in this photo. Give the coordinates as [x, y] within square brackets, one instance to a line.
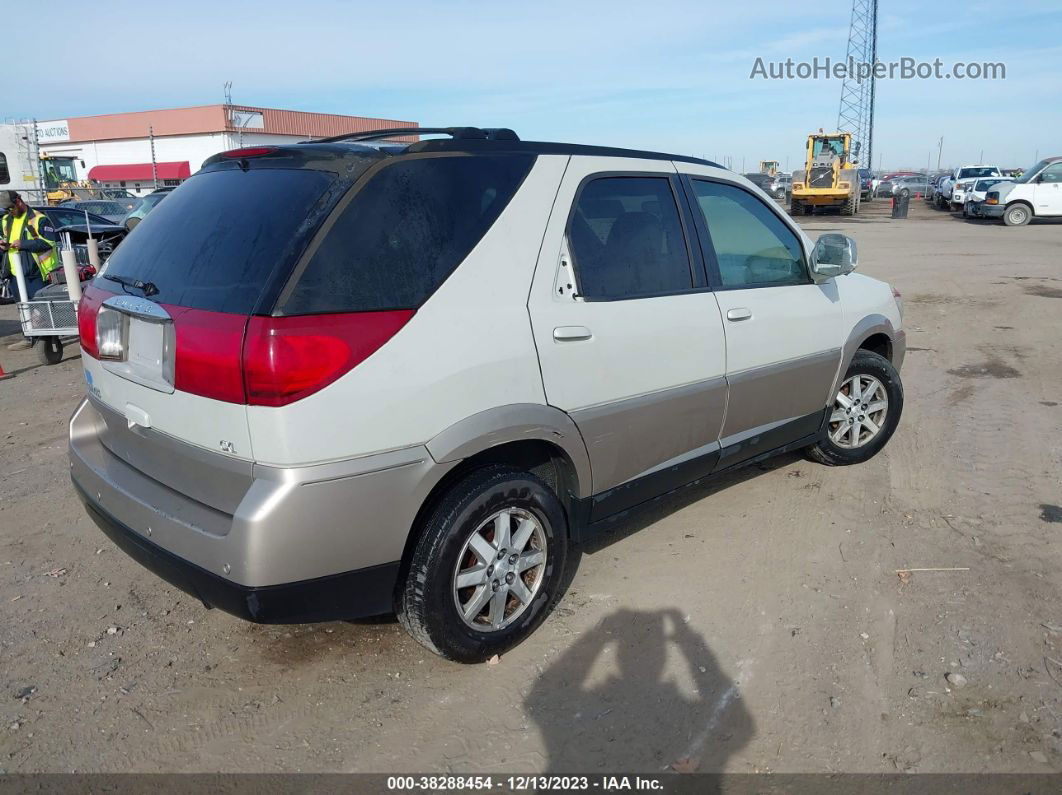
[214, 243]
[404, 232]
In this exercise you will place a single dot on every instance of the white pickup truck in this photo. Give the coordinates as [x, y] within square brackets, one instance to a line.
[1035, 194]
[955, 191]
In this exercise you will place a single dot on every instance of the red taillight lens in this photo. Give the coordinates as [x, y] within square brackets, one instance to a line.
[209, 346]
[287, 358]
[91, 299]
[249, 151]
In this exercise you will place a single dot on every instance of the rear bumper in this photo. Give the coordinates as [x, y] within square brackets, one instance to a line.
[272, 544]
[352, 594]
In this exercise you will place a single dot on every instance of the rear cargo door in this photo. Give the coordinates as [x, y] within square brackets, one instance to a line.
[163, 325]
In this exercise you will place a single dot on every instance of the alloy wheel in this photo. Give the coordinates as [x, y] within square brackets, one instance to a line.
[500, 569]
[859, 412]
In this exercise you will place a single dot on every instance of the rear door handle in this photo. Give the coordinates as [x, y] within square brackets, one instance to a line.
[741, 313]
[571, 333]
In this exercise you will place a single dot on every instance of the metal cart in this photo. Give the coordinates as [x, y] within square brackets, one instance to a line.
[52, 320]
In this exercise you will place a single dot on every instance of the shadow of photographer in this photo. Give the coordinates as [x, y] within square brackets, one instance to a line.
[640, 693]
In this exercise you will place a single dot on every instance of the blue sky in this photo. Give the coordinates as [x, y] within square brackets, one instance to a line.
[669, 75]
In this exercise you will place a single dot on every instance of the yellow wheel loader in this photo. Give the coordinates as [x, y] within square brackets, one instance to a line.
[830, 177]
[769, 167]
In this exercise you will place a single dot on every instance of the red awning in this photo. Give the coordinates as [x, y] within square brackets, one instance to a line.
[139, 172]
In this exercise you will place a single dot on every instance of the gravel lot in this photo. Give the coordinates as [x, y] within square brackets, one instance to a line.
[757, 624]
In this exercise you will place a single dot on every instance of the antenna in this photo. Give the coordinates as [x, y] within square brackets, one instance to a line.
[856, 113]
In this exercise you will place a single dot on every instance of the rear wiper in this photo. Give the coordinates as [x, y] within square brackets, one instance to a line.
[148, 288]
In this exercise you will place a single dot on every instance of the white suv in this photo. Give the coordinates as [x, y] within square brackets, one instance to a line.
[341, 378]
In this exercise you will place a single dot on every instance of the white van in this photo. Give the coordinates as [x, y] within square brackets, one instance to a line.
[1035, 194]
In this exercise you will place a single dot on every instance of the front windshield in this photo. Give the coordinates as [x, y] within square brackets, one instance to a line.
[966, 173]
[1031, 172]
[828, 146]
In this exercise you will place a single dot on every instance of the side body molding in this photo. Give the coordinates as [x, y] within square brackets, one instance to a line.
[517, 422]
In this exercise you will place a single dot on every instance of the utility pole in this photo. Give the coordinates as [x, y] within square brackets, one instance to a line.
[228, 108]
[940, 148]
[154, 165]
[981, 159]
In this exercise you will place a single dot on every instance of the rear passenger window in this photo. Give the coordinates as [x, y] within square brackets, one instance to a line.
[626, 239]
[405, 232]
[753, 246]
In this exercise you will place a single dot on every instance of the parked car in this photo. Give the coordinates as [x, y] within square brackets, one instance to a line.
[67, 219]
[66, 215]
[781, 186]
[114, 210]
[975, 195]
[933, 191]
[146, 205]
[761, 181]
[866, 180]
[888, 178]
[916, 184]
[1037, 193]
[331, 379]
[963, 178]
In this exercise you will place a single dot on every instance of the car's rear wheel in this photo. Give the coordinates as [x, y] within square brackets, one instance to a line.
[1017, 215]
[864, 413]
[487, 567]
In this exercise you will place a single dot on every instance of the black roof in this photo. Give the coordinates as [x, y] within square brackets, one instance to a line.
[333, 153]
[474, 146]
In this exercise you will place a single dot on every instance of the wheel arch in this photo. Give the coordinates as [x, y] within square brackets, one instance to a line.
[1026, 202]
[539, 439]
[874, 333]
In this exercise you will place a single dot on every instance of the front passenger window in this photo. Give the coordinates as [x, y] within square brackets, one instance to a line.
[1052, 173]
[753, 246]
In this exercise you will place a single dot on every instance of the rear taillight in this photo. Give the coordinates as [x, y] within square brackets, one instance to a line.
[287, 358]
[91, 299]
[208, 350]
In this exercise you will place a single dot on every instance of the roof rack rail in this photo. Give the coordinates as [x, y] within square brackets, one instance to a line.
[457, 133]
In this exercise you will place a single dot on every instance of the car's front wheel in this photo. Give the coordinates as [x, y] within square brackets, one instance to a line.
[487, 567]
[864, 413]
[1017, 215]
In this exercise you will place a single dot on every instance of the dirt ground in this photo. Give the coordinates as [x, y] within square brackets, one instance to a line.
[757, 624]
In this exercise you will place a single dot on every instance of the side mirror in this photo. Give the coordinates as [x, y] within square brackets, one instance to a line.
[833, 255]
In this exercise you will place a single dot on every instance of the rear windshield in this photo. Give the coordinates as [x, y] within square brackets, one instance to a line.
[404, 233]
[215, 241]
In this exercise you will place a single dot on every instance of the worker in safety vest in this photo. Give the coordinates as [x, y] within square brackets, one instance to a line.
[27, 243]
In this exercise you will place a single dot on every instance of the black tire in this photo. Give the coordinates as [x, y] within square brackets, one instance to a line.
[864, 362]
[851, 205]
[1017, 214]
[51, 350]
[426, 605]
